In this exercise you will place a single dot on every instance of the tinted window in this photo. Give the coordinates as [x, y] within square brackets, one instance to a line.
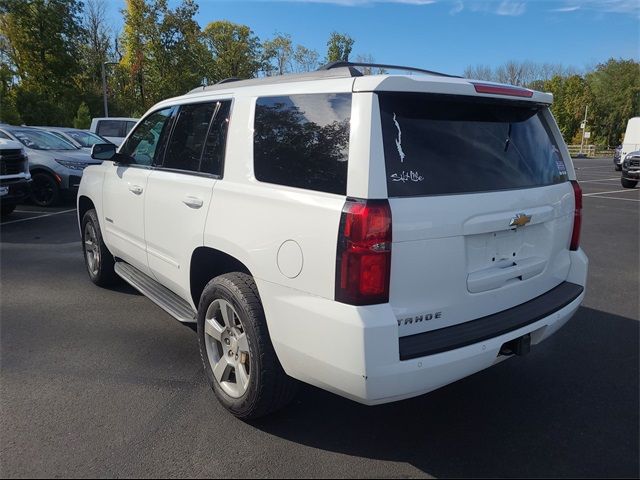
[143, 144]
[86, 139]
[214, 148]
[40, 140]
[442, 145]
[303, 141]
[110, 128]
[187, 140]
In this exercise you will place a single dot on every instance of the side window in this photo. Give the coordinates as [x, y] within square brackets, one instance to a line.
[128, 127]
[143, 144]
[215, 146]
[188, 138]
[109, 128]
[303, 141]
[5, 136]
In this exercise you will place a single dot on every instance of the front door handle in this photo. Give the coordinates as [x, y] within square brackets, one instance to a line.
[193, 202]
[137, 189]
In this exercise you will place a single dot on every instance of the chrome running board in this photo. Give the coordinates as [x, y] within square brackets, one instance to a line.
[157, 293]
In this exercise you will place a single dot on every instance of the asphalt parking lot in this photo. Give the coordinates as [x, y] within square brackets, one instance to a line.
[103, 383]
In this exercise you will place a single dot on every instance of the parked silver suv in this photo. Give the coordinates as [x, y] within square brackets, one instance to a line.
[56, 165]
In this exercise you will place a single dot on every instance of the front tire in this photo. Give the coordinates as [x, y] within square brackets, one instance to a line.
[618, 167]
[45, 191]
[97, 257]
[626, 183]
[240, 363]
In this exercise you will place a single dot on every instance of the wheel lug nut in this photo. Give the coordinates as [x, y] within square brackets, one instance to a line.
[227, 341]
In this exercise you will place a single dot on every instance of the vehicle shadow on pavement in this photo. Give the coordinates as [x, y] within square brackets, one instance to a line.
[569, 408]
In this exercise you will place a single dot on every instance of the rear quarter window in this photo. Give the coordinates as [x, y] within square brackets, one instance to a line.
[437, 144]
[303, 141]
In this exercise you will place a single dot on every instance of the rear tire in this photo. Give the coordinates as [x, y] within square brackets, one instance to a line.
[626, 183]
[248, 380]
[45, 191]
[97, 257]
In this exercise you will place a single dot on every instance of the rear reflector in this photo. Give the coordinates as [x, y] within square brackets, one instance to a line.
[577, 216]
[363, 262]
[503, 90]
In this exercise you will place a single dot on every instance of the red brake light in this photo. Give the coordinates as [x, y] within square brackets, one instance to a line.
[577, 216]
[363, 263]
[502, 90]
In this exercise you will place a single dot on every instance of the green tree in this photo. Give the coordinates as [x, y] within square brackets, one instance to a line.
[83, 117]
[42, 38]
[139, 21]
[8, 110]
[178, 57]
[615, 87]
[339, 47]
[277, 54]
[570, 97]
[94, 50]
[305, 59]
[235, 48]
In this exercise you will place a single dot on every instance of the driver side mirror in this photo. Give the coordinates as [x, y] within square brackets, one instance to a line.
[103, 151]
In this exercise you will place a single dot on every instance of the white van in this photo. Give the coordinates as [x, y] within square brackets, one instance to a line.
[631, 142]
[114, 129]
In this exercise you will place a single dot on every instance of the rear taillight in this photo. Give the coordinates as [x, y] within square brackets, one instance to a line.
[577, 216]
[363, 262]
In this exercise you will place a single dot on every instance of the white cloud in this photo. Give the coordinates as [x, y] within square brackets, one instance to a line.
[511, 9]
[357, 3]
[605, 6]
[457, 8]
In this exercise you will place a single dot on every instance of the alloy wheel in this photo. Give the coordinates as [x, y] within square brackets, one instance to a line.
[227, 348]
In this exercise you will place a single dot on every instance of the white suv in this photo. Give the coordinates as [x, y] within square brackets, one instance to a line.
[375, 236]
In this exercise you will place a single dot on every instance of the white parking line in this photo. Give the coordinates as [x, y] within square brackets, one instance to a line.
[588, 168]
[611, 191]
[39, 216]
[599, 180]
[618, 198]
[31, 211]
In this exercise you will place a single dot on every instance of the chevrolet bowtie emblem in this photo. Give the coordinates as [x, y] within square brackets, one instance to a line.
[520, 220]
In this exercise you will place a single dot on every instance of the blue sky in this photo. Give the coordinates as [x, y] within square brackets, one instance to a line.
[445, 35]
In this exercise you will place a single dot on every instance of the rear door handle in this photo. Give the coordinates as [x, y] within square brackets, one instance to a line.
[137, 189]
[193, 202]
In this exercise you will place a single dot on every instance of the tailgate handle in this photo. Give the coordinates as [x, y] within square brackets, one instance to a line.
[498, 276]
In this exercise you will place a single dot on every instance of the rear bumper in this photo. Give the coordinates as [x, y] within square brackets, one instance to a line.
[355, 352]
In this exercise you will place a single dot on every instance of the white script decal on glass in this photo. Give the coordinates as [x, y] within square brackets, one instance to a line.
[399, 140]
[409, 176]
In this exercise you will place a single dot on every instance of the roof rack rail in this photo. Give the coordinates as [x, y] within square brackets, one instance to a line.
[339, 64]
[229, 80]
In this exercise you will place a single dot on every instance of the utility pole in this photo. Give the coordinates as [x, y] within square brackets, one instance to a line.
[584, 128]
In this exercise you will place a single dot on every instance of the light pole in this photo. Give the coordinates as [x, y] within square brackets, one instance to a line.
[584, 128]
[104, 86]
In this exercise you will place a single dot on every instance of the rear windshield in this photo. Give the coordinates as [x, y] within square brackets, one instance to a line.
[438, 144]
